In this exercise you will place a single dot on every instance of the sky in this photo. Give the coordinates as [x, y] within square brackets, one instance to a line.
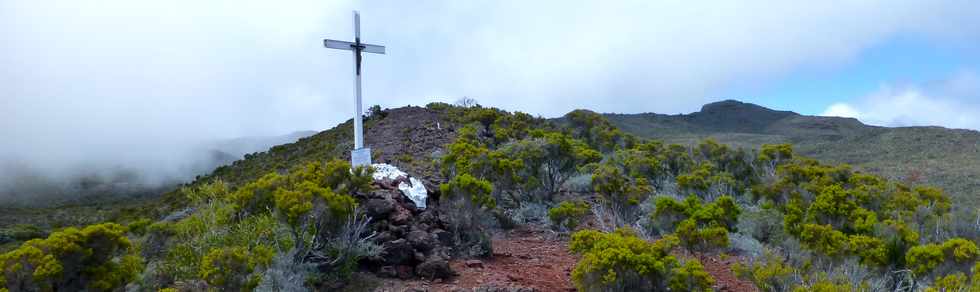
[139, 83]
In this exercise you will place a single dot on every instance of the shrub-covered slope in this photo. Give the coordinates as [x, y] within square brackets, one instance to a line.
[947, 158]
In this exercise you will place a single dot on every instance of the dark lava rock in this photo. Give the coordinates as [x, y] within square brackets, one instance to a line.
[405, 272]
[421, 240]
[444, 237]
[398, 251]
[400, 216]
[388, 271]
[379, 208]
[383, 237]
[435, 268]
[474, 264]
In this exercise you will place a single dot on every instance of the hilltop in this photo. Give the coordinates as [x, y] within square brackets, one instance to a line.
[948, 158]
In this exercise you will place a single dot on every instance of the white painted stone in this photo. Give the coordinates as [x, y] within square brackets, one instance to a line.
[414, 189]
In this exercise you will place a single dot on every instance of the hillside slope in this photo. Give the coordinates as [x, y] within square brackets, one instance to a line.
[404, 137]
[949, 158]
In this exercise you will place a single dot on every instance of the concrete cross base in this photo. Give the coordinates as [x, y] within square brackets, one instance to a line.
[360, 157]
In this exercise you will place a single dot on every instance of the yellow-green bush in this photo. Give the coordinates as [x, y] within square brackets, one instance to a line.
[619, 193]
[701, 238]
[257, 196]
[952, 282]
[975, 285]
[97, 257]
[691, 277]
[699, 226]
[231, 268]
[924, 259]
[642, 161]
[825, 286]
[210, 228]
[775, 152]
[568, 214]
[23, 232]
[597, 131]
[339, 176]
[620, 261]
[824, 240]
[698, 180]
[872, 251]
[476, 191]
[768, 273]
[139, 227]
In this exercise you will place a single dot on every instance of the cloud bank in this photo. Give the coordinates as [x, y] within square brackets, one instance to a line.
[953, 102]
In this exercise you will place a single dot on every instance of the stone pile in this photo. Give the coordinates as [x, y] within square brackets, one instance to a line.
[415, 241]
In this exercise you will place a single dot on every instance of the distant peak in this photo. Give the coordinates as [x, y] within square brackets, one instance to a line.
[731, 105]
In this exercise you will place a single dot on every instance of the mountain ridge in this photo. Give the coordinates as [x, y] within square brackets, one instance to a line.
[919, 154]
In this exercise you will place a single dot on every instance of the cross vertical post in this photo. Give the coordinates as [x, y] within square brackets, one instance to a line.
[360, 155]
[358, 128]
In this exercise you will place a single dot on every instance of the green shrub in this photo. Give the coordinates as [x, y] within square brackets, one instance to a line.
[231, 268]
[597, 131]
[698, 180]
[641, 163]
[775, 153]
[257, 196]
[765, 225]
[466, 155]
[476, 191]
[139, 227]
[514, 127]
[701, 238]
[953, 282]
[467, 201]
[23, 232]
[872, 251]
[769, 273]
[620, 261]
[924, 259]
[824, 240]
[568, 214]
[975, 285]
[619, 194]
[97, 257]
[825, 285]
[547, 161]
[699, 226]
[209, 228]
[691, 277]
[438, 106]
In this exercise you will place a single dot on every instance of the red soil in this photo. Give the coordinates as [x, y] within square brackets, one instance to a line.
[521, 259]
[538, 260]
[721, 270]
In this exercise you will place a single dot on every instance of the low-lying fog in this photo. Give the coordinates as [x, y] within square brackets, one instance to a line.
[116, 172]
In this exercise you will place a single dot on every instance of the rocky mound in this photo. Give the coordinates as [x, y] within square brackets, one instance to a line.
[415, 240]
[409, 138]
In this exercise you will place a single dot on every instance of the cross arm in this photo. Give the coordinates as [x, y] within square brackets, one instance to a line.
[342, 45]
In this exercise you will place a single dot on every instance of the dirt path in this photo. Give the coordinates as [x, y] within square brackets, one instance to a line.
[523, 260]
[721, 270]
[535, 260]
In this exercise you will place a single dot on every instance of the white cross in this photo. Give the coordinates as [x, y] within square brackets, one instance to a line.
[360, 155]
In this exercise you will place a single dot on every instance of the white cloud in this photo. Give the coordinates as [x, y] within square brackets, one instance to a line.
[841, 110]
[953, 103]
